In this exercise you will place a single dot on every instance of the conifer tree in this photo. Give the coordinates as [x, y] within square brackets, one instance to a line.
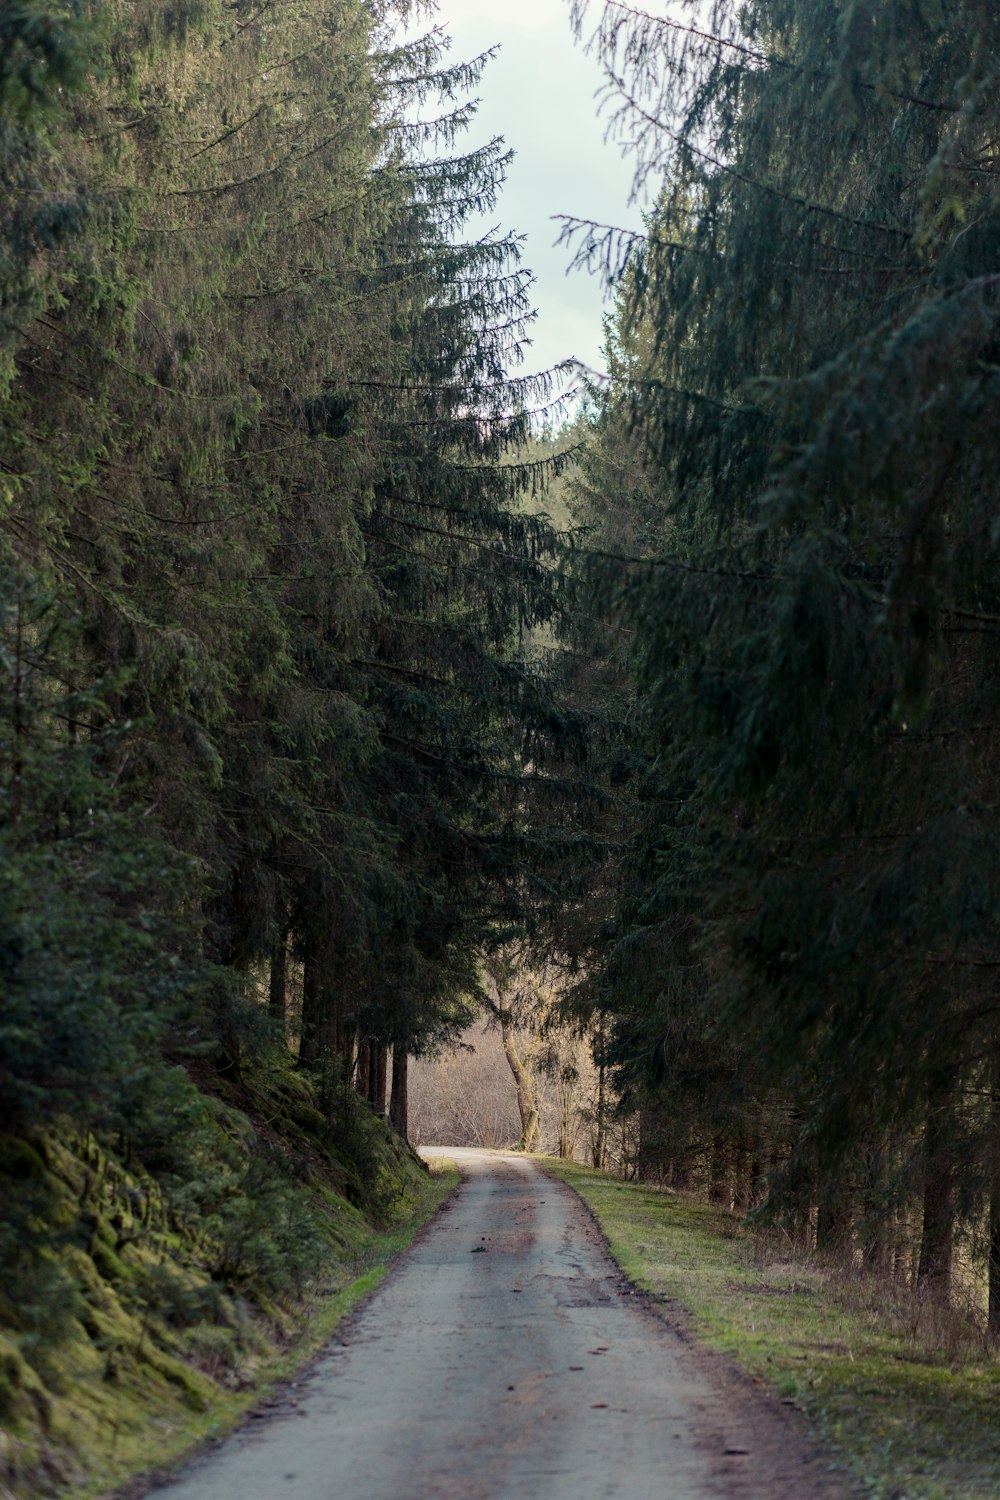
[260, 459]
[811, 376]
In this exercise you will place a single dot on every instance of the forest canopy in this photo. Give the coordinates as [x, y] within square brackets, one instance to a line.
[792, 494]
[266, 580]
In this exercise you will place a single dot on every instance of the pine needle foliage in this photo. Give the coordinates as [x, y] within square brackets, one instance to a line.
[273, 714]
[809, 347]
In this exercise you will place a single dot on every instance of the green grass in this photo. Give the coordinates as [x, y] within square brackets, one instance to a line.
[910, 1406]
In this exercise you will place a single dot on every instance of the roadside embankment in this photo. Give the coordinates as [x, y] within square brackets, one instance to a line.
[905, 1394]
[152, 1297]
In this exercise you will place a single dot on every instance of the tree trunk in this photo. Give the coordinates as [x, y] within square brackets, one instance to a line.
[381, 1079]
[601, 1133]
[399, 1102]
[937, 1239]
[17, 767]
[680, 1171]
[835, 1220]
[526, 1106]
[319, 1017]
[565, 1102]
[875, 1244]
[744, 1180]
[757, 1190]
[277, 996]
[718, 1186]
[309, 1036]
[653, 1163]
[363, 1067]
[994, 1263]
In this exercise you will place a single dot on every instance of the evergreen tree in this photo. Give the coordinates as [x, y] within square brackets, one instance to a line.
[811, 316]
[260, 456]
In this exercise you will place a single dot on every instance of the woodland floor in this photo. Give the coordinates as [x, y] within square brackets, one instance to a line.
[506, 1355]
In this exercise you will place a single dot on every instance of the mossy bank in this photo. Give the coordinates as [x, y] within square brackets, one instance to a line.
[152, 1287]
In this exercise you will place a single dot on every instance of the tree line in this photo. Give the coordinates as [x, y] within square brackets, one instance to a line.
[265, 703]
[791, 495]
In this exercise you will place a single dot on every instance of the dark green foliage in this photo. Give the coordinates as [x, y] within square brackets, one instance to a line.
[806, 374]
[257, 397]
[269, 675]
[43, 48]
[94, 962]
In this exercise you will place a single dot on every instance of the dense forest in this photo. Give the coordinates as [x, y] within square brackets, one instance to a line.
[270, 674]
[790, 486]
[312, 714]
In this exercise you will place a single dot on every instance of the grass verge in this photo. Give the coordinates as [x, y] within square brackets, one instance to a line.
[910, 1413]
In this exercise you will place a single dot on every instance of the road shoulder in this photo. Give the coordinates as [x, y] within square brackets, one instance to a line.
[777, 1451]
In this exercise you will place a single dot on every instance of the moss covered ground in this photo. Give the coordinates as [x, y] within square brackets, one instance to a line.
[906, 1398]
[148, 1303]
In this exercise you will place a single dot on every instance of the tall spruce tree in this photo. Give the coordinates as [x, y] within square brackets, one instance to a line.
[260, 465]
[811, 374]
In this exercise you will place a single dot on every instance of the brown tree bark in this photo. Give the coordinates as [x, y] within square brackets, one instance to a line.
[565, 1092]
[399, 1100]
[743, 1186]
[601, 1133]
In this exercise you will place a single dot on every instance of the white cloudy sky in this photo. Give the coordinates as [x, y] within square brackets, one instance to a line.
[539, 95]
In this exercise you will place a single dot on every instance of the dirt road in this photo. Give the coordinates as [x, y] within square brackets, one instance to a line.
[505, 1357]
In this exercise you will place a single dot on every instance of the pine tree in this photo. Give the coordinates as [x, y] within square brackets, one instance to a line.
[813, 310]
[261, 451]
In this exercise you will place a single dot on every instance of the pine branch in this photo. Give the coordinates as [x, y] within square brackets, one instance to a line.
[678, 566]
[770, 59]
[684, 143]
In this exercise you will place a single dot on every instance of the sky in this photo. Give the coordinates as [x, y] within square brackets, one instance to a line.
[539, 94]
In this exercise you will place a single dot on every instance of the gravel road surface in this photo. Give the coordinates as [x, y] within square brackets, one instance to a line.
[506, 1357]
